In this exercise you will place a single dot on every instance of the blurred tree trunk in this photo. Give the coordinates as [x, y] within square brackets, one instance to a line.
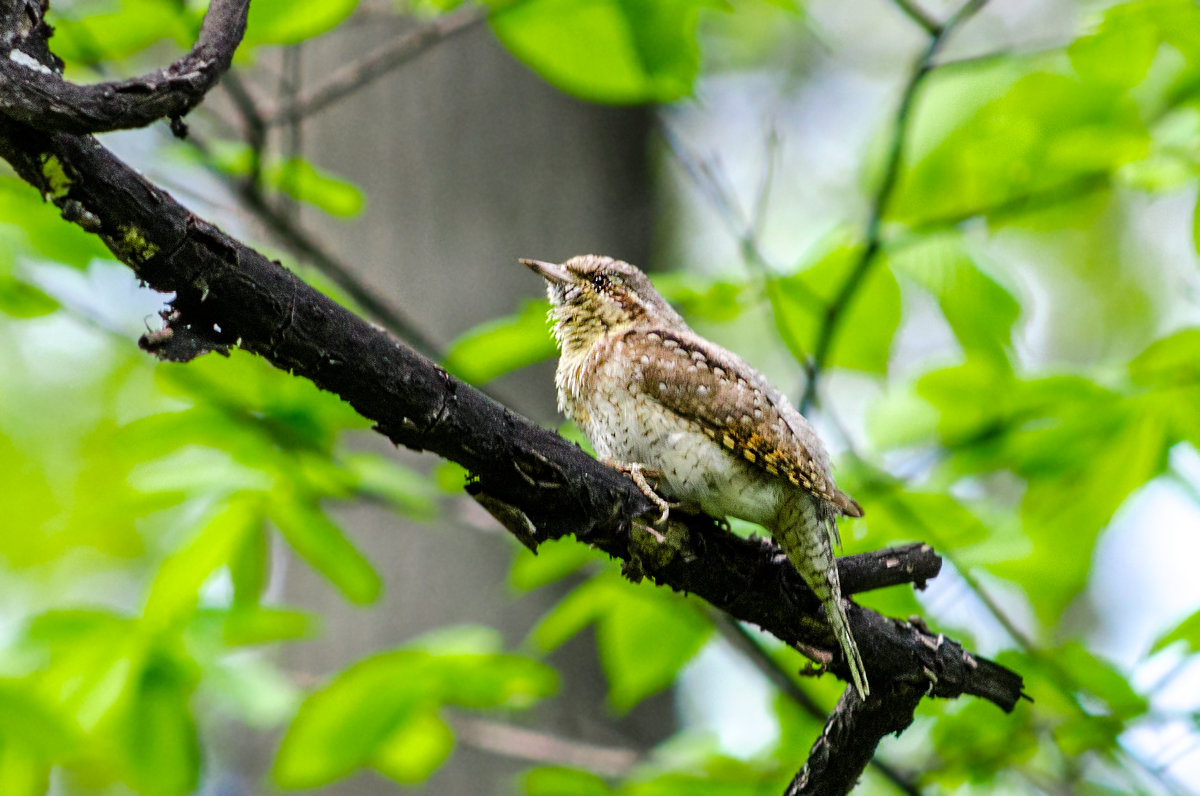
[469, 161]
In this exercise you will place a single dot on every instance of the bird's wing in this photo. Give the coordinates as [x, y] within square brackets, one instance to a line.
[734, 404]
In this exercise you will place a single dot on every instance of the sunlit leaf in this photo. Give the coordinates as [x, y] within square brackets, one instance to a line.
[323, 544]
[1169, 361]
[716, 300]
[251, 689]
[293, 21]
[1187, 631]
[93, 661]
[264, 625]
[606, 50]
[406, 490]
[1047, 132]
[503, 345]
[34, 226]
[645, 634]
[553, 561]
[1119, 54]
[415, 749]
[304, 182]
[1100, 680]
[1063, 513]
[22, 300]
[159, 735]
[979, 310]
[118, 30]
[868, 321]
[977, 740]
[367, 712]
[562, 781]
[176, 586]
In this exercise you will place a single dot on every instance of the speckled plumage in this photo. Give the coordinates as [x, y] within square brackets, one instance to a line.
[715, 434]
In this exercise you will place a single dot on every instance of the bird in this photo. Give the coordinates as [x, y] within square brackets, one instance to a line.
[661, 403]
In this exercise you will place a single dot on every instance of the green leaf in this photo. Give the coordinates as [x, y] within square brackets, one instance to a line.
[869, 320]
[321, 542]
[339, 727]
[459, 640]
[553, 561]
[958, 394]
[1196, 226]
[614, 51]
[1100, 680]
[645, 634]
[644, 642]
[377, 711]
[20, 299]
[450, 477]
[562, 781]
[583, 606]
[415, 750]
[1045, 132]
[31, 719]
[93, 658]
[502, 345]
[265, 625]
[979, 310]
[249, 567]
[976, 741]
[1187, 631]
[176, 587]
[35, 227]
[160, 737]
[109, 31]
[1117, 54]
[251, 689]
[22, 773]
[406, 490]
[717, 300]
[293, 21]
[1171, 361]
[1063, 512]
[304, 182]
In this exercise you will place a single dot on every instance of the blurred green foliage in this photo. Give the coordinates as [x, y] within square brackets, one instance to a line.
[175, 480]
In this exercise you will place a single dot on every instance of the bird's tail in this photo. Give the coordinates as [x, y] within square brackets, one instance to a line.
[807, 533]
[841, 630]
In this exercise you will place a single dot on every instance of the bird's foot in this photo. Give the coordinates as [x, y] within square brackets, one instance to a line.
[638, 473]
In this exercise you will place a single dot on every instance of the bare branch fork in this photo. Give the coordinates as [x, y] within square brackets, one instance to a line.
[539, 485]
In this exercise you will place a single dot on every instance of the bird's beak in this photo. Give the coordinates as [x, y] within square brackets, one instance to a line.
[552, 273]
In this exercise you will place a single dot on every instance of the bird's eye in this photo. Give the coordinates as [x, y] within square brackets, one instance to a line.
[599, 281]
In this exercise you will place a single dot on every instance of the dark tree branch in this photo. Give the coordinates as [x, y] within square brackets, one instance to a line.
[853, 731]
[834, 313]
[33, 92]
[544, 487]
[741, 639]
[352, 77]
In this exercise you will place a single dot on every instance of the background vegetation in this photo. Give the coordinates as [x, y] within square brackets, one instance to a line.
[963, 237]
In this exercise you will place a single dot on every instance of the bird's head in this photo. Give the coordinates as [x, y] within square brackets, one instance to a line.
[593, 296]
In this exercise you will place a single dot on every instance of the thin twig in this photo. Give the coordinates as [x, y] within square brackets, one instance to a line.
[351, 77]
[251, 193]
[711, 183]
[536, 746]
[919, 16]
[858, 272]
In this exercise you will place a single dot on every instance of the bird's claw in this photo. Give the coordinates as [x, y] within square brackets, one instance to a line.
[638, 473]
